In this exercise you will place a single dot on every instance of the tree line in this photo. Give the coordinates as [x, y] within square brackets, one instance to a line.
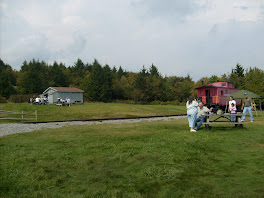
[106, 84]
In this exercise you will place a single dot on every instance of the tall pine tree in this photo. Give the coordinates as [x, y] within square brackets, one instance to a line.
[6, 80]
[34, 77]
[94, 88]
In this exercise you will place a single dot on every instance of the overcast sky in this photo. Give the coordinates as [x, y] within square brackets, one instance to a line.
[196, 37]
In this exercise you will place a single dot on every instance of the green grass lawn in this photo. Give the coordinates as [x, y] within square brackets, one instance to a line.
[157, 159]
[91, 110]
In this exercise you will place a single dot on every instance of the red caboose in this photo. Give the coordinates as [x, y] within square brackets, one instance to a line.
[214, 94]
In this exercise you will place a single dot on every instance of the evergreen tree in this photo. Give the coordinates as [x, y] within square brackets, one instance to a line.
[57, 75]
[239, 70]
[77, 73]
[120, 73]
[6, 80]
[94, 87]
[156, 85]
[141, 92]
[79, 67]
[154, 71]
[34, 77]
[107, 89]
[237, 77]
[118, 91]
[114, 70]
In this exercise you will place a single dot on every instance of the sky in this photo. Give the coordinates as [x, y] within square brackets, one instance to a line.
[180, 37]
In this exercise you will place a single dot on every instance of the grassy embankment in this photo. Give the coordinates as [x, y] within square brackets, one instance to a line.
[90, 110]
[159, 159]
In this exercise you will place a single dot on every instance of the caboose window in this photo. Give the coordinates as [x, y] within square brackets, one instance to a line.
[224, 84]
[201, 92]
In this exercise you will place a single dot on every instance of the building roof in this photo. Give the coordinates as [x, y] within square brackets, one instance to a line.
[64, 89]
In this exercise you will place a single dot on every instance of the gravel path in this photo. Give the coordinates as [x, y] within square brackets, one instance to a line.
[8, 128]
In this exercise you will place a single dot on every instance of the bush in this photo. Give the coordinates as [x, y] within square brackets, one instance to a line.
[2, 99]
[155, 102]
[125, 101]
[169, 103]
[21, 98]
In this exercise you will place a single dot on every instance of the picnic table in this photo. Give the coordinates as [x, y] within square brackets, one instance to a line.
[212, 119]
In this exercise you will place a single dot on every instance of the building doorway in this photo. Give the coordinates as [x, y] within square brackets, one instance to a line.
[208, 97]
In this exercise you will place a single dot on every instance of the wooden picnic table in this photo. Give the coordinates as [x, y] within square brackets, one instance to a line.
[216, 119]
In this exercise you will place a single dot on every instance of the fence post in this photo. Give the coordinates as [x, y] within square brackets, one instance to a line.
[36, 112]
[22, 115]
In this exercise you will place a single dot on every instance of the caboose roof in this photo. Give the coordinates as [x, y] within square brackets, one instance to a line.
[218, 85]
[206, 86]
[210, 86]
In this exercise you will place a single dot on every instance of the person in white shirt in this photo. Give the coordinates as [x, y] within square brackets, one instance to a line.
[202, 111]
[192, 110]
[231, 100]
[37, 100]
[68, 101]
[45, 100]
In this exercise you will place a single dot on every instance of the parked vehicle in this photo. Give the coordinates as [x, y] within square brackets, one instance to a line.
[215, 94]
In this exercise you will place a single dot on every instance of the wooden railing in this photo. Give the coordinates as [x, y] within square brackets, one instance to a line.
[22, 115]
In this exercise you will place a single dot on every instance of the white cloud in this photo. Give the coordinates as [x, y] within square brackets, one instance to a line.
[3, 6]
[222, 11]
[180, 37]
[74, 21]
[177, 9]
[72, 7]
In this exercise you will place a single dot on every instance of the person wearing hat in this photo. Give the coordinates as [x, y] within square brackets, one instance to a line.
[247, 106]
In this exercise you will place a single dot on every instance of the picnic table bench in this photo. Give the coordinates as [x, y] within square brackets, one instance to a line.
[62, 104]
[216, 119]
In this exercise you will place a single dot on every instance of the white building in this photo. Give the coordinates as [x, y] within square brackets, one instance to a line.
[74, 94]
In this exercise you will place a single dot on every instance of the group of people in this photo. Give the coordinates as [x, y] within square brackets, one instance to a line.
[45, 100]
[247, 106]
[67, 101]
[39, 100]
[196, 111]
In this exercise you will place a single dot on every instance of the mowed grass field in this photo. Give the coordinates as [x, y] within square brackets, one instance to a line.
[90, 111]
[147, 159]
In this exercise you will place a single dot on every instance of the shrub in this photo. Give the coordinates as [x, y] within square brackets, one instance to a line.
[2, 99]
[155, 102]
[174, 102]
[125, 101]
[21, 98]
